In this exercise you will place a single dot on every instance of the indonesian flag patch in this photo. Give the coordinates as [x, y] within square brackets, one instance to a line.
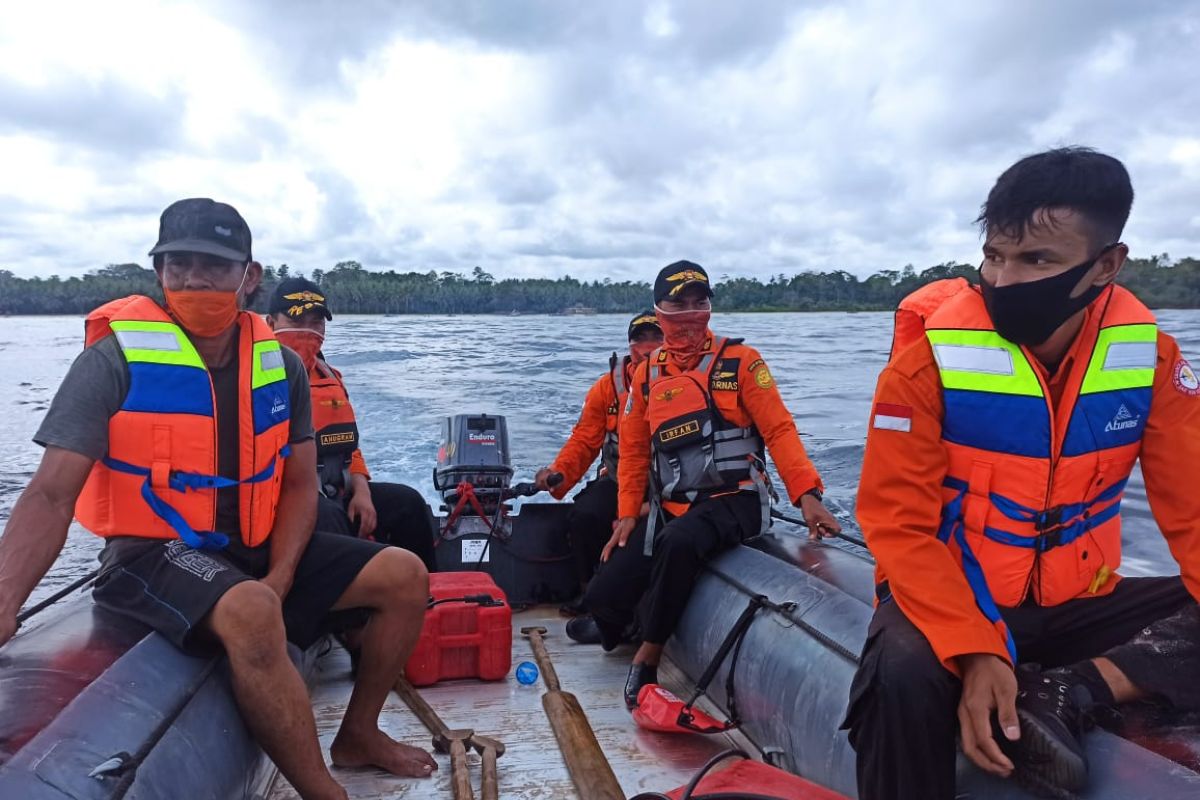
[891, 417]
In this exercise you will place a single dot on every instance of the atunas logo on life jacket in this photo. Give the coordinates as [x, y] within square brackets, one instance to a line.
[1122, 420]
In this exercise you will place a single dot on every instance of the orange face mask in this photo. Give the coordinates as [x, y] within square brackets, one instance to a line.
[203, 314]
[684, 334]
[304, 342]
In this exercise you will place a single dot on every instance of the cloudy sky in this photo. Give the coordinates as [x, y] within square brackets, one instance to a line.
[599, 139]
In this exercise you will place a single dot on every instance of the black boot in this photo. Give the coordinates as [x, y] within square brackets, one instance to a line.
[1050, 758]
[583, 629]
[639, 676]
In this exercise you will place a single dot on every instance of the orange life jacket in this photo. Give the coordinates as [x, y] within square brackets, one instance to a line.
[696, 452]
[159, 478]
[335, 425]
[610, 449]
[1033, 492]
[917, 306]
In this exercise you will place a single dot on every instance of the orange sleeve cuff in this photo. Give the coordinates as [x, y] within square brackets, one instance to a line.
[358, 466]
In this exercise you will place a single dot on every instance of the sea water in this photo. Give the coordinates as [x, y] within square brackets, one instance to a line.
[405, 373]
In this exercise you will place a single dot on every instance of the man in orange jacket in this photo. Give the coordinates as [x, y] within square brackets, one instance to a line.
[1000, 444]
[182, 435]
[350, 502]
[594, 509]
[700, 415]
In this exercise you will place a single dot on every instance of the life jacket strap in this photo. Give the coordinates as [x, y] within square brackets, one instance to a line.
[183, 481]
[952, 528]
[1057, 526]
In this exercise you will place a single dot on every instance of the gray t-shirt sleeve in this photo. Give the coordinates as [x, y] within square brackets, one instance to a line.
[300, 397]
[92, 391]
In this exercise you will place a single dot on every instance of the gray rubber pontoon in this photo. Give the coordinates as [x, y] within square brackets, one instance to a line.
[793, 675]
[82, 689]
[96, 706]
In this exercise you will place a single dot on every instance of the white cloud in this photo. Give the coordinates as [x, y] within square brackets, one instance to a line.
[534, 138]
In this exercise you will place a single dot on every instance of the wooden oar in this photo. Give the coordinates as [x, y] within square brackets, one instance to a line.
[590, 771]
[490, 749]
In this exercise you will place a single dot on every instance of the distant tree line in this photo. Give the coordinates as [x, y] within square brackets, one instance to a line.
[1159, 281]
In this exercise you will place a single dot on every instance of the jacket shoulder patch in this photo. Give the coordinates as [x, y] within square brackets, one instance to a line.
[1184, 378]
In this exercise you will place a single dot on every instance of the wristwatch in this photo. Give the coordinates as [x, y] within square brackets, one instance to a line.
[815, 492]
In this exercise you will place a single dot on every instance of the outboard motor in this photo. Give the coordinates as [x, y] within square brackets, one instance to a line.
[474, 449]
[525, 549]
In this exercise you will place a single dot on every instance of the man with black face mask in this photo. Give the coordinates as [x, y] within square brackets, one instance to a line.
[1001, 439]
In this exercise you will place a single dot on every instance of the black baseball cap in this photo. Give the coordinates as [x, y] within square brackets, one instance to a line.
[643, 319]
[674, 277]
[201, 225]
[296, 296]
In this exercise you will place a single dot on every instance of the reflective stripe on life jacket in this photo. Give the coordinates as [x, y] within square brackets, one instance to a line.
[1033, 492]
[695, 452]
[610, 449]
[336, 428]
[162, 442]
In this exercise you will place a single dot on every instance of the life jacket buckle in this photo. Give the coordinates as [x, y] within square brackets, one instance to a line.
[1049, 525]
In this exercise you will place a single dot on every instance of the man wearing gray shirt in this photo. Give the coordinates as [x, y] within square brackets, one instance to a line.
[183, 435]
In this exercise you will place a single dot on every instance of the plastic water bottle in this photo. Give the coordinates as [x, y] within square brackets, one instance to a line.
[527, 673]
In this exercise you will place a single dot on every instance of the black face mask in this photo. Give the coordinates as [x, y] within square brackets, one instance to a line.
[1028, 313]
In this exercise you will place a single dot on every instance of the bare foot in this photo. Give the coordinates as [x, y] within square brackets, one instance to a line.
[377, 749]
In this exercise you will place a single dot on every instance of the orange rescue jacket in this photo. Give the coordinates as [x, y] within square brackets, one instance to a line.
[159, 479]
[736, 384]
[336, 429]
[1032, 488]
[596, 432]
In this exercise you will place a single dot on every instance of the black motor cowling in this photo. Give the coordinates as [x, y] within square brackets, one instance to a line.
[474, 448]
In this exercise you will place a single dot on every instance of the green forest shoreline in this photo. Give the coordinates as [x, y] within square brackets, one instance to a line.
[1159, 281]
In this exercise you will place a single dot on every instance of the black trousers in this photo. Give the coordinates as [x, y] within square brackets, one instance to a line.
[589, 525]
[903, 703]
[660, 585]
[403, 519]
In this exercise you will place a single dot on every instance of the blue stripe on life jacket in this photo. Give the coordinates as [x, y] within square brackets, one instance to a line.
[168, 389]
[1017, 424]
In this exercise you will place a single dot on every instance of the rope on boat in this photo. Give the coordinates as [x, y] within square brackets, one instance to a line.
[797, 521]
[82, 583]
[789, 613]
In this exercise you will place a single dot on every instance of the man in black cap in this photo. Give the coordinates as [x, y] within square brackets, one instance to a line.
[183, 435]
[700, 416]
[595, 434]
[350, 501]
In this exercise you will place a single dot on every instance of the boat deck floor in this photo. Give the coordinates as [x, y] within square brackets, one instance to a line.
[532, 768]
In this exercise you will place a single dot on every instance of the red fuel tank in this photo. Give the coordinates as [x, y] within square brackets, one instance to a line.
[467, 632]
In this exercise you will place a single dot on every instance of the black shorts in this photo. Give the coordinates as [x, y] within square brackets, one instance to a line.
[171, 587]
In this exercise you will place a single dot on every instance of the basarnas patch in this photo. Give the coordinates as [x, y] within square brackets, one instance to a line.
[1184, 378]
